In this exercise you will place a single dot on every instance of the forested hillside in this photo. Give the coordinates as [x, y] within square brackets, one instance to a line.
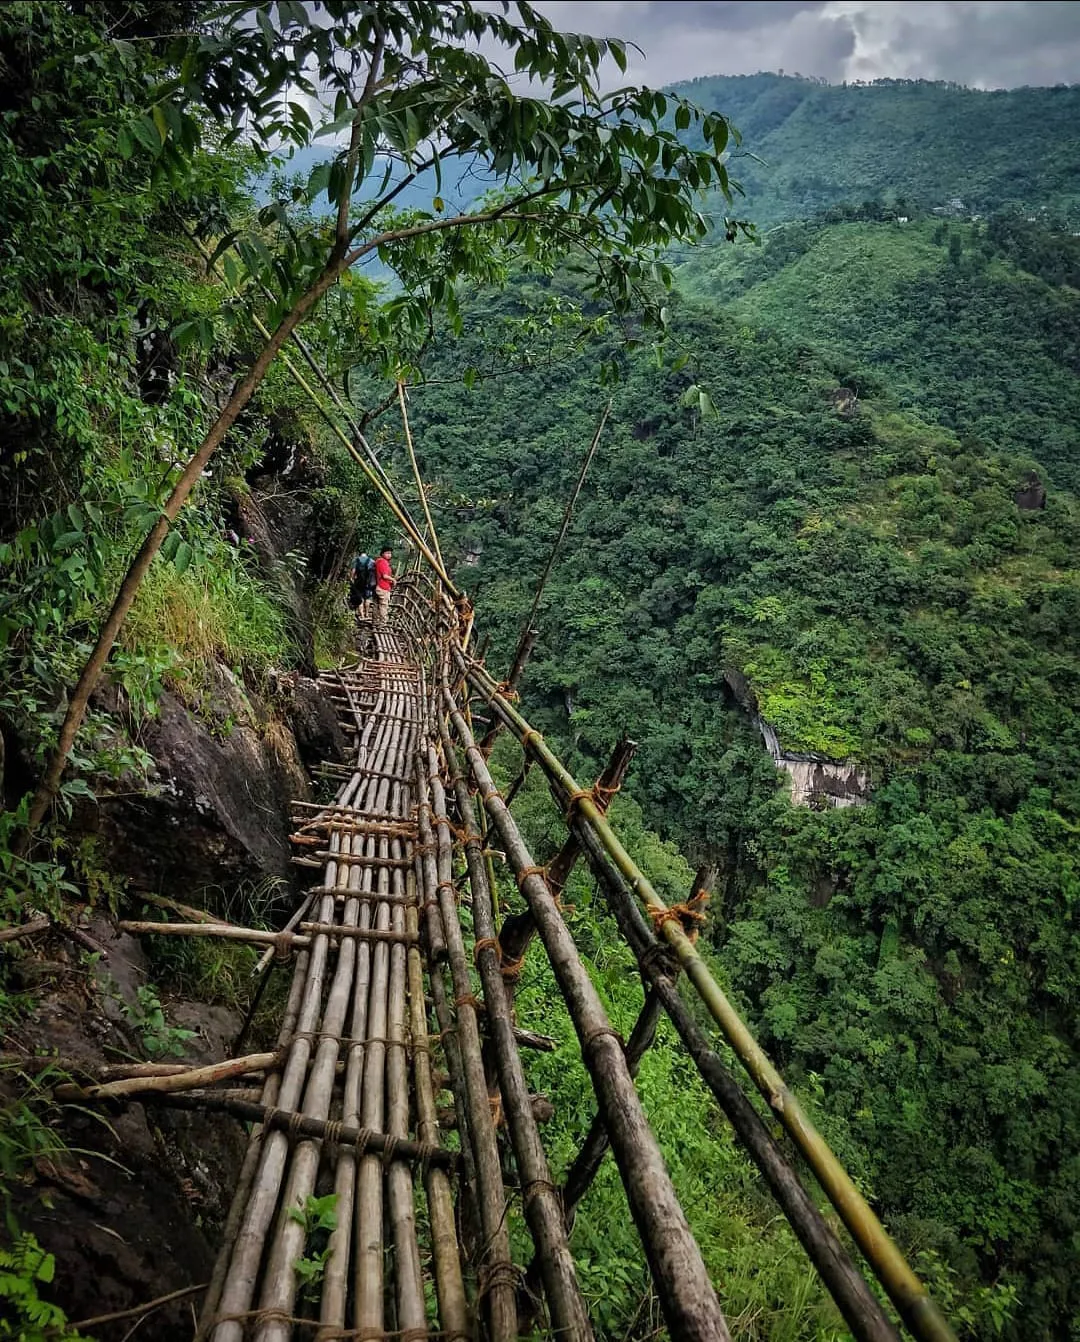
[815, 144]
[839, 526]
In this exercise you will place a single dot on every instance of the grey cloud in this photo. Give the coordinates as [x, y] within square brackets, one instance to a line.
[987, 43]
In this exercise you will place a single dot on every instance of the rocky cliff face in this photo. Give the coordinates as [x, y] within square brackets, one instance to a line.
[215, 808]
[816, 780]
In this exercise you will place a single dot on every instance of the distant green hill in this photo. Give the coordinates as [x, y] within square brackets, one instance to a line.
[908, 139]
[976, 327]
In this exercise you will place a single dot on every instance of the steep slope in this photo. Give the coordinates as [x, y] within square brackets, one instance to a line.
[974, 326]
[888, 602]
[927, 142]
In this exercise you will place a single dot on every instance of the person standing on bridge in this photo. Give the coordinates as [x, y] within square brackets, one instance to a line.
[384, 584]
[362, 586]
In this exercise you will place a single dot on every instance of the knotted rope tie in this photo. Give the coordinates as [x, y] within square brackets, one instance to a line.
[689, 917]
[283, 947]
[510, 969]
[484, 944]
[594, 1035]
[530, 734]
[507, 691]
[602, 794]
[576, 797]
[535, 1187]
[659, 956]
[495, 1101]
[526, 872]
[492, 1275]
[470, 1000]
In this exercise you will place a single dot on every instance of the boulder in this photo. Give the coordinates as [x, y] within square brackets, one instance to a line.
[1031, 496]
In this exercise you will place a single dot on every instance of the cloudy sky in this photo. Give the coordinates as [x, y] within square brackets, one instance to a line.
[984, 43]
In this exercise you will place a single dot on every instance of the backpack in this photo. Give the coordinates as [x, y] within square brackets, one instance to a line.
[363, 578]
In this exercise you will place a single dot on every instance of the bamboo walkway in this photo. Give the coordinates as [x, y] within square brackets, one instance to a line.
[402, 991]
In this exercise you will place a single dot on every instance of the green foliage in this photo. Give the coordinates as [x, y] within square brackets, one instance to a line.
[318, 1216]
[24, 1267]
[904, 142]
[147, 1016]
[972, 326]
[870, 577]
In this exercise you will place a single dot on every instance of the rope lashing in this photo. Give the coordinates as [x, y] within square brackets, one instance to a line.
[689, 915]
[530, 734]
[511, 969]
[534, 1188]
[576, 797]
[492, 1275]
[525, 872]
[603, 1031]
[484, 944]
[602, 794]
[506, 691]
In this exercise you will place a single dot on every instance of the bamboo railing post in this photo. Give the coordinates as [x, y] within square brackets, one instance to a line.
[518, 929]
[686, 1294]
[540, 1198]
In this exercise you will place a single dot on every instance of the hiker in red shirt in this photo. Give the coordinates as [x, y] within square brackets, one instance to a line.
[384, 582]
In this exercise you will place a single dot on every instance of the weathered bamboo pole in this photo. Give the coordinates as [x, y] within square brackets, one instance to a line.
[918, 1310]
[225, 931]
[416, 475]
[449, 1287]
[497, 1282]
[252, 1156]
[540, 1199]
[191, 1078]
[428, 868]
[518, 929]
[382, 1144]
[682, 1283]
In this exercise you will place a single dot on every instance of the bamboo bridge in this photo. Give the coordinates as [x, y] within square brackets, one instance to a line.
[403, 976]
[403, 972]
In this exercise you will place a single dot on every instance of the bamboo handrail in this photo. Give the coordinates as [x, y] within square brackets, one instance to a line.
[918, 1310]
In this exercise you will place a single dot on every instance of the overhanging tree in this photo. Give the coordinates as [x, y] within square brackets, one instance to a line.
[417, 90]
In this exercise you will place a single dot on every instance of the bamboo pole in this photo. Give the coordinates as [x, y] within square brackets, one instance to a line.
[540, 1199]
[191, 1078]
[416, 475]
[450, 1289]
[252, 1156]
[382, 1144]
[496, 1278]
[921, 1314]
[686, 1294]
[860, 1308]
